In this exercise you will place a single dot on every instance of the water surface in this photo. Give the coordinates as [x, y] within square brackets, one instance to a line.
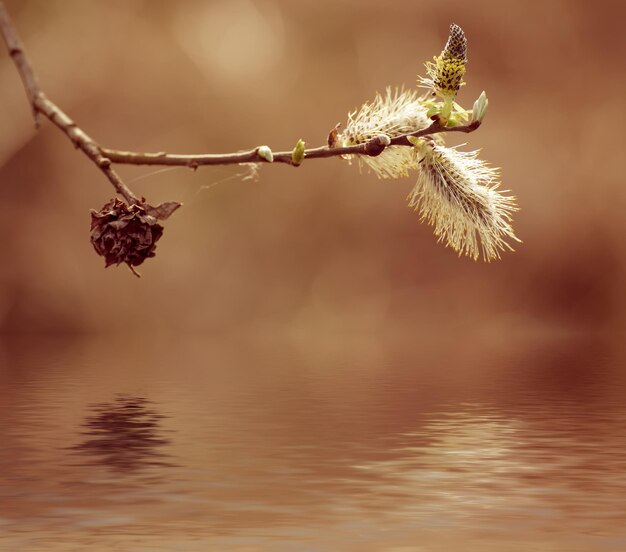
[363, 445]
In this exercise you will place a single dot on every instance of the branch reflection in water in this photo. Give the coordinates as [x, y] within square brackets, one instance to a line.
[124, 434]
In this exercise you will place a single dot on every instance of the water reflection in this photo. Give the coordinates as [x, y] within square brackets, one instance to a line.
[124, 434]
[286, 450]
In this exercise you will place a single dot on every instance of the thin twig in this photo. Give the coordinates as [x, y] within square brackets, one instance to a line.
[85, 143]
[16, 51]
[42, 105]
[252, 156]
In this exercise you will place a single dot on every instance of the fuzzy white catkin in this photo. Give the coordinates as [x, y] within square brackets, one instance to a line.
[458, 195]
[395, 113]
[456, 192]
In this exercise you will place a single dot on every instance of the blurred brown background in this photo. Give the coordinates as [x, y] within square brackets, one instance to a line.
[321, 247]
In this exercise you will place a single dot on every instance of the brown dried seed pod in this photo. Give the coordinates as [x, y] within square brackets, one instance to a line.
[124, 234]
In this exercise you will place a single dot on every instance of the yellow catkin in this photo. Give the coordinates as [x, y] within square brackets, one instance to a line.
[445, 74]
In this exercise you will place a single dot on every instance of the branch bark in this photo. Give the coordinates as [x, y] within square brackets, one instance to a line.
[252, 156]
[42, 105]
[103, 158]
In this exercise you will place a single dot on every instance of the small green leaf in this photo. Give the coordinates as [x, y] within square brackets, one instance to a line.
[417, 142]
[433, 111]
[480, 107]
[297, 155]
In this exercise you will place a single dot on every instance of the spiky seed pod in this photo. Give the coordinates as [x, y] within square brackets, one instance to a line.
[458, 194]
[394, 114]
[124, 234]
[445, 75]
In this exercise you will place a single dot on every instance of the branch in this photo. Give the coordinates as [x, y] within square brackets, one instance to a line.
[42, 105]
[105, 157]
[372, 148]
[127, 232]
[16, 51]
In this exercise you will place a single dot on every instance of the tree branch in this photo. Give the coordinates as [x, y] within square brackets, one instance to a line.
[372, 148]
[16, 51]
[42, 105]
[84, 142]
[105, 157]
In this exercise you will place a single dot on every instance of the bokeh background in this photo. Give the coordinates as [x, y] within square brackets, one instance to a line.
[302, 364]
[322, 248]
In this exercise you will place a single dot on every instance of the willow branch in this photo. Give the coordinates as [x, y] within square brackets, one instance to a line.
[16, 51]
[42, 105]
[105, 157]
[371, 148]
